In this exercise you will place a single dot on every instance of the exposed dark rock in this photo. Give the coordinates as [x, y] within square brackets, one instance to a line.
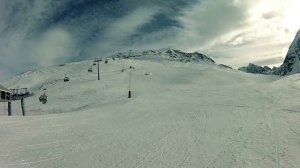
[225, 66]
[173, 55]
[256, 69]
[291, 64]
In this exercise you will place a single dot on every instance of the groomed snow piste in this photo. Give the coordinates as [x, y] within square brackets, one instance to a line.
[181, 115]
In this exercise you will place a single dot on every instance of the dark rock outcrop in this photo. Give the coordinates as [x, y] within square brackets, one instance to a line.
[291, 64]
[256, 69]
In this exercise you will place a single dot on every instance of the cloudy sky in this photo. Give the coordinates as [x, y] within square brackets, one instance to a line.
[36, 33]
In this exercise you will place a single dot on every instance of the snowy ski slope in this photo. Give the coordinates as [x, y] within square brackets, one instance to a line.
[192, 115]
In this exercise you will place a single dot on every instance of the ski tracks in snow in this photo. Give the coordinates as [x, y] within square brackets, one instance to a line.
[270, 122]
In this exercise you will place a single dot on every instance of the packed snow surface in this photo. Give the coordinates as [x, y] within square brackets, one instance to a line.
[191, 115]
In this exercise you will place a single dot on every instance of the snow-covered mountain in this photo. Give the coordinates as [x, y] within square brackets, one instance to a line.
[51, 77]
[181, 114]
[166, 54]
[256, 69]
[291, 64]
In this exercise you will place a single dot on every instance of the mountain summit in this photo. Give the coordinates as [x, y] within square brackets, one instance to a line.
[291, 64]
[165, 54]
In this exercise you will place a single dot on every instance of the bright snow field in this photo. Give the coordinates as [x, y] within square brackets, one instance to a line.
[191, 115]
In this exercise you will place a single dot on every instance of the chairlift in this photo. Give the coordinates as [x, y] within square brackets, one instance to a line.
[148, 73]
[18, 94]
[43, 97]
[66, 79]
[97, 60]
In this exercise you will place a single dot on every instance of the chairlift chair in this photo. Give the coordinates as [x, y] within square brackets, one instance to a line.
[43, 97]
[66, 79]
[90, 69]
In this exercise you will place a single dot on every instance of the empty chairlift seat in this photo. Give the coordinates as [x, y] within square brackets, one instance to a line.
[66, 79]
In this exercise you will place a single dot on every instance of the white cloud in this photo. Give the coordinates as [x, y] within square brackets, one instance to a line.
[128, 24]
[208, 20]
[20, 48]
[237, 32]
[120, 30]
[19, 53]
[233, 32]
[54, 45]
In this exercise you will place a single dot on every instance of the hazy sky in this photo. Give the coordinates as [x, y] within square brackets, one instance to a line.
[35, 33]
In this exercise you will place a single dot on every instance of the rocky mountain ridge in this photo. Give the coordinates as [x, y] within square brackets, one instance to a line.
[165, 54]
[290, 66]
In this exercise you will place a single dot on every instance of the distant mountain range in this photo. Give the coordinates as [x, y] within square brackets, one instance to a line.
[167, 54]
[291, 64]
